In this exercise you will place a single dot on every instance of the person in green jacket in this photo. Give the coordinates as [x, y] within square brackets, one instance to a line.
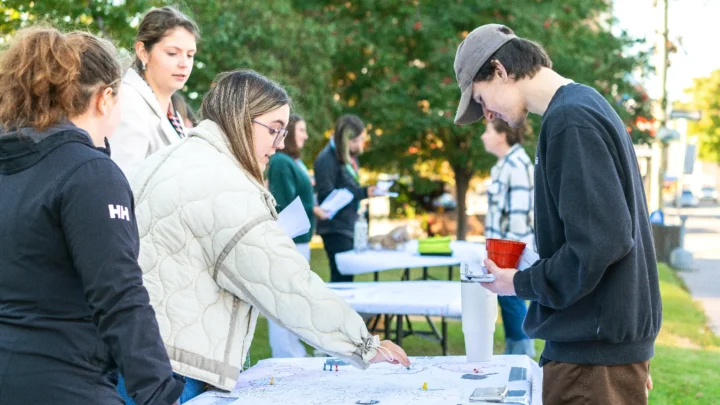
[288, 179]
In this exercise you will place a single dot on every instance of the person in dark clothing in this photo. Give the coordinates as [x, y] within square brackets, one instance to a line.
[595, 295]
[73, 310]
[337, 167]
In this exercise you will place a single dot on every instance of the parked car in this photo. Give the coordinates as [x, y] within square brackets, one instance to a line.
[709, 193]
[688, 199]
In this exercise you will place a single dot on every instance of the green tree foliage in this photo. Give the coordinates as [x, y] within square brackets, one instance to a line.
[271, 38]
[115, 19]
[389, 61]
[394, 68]
[705, 97]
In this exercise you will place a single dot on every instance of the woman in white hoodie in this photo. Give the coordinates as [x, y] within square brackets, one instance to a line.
[212, 253]
[165, 48]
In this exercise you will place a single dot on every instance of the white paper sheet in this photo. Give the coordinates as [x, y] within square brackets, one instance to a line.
[382, 188]
[294, 220]
[336, 201]
[529, 257]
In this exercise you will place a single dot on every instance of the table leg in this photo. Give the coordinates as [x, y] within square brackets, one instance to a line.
[444, 336]
[376, 276]
[450, 269]
[410, 329]
[434, 329]
[373, 323]
[399, 320]
[387, 327]
[406, 275]
[425, 273]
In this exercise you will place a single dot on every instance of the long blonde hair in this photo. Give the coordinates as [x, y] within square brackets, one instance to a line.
[234, 100]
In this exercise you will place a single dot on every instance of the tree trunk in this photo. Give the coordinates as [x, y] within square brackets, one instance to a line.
[462, 183]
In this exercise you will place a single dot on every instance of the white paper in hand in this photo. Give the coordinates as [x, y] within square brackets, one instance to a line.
[293, 219]
[382, 188]
[473, 269]
[528, 258]
[336, 201]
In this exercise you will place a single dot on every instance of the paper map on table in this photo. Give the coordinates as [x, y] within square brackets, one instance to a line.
[450, 380]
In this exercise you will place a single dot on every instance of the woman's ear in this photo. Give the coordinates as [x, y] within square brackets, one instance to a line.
[141, 52]
[104, 101]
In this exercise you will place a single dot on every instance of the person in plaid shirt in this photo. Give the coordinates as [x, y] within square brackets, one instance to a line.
[510, 216]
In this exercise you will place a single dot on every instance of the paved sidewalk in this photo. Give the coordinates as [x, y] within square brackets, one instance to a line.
[703, 240]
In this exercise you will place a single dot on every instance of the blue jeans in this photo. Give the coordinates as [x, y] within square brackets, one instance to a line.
[192, 389]
[513, 312]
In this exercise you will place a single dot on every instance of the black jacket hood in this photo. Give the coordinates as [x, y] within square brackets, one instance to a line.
[24, 147]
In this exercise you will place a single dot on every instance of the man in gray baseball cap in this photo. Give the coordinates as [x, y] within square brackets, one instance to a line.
[471, 55]
[595, 294]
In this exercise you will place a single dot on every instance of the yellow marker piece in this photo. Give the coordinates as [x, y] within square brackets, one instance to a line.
[424, 387]
[272, 380]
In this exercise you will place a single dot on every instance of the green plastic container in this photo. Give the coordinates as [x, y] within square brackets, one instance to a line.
[437, 246]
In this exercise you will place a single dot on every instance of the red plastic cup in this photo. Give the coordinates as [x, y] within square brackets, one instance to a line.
[505, 253]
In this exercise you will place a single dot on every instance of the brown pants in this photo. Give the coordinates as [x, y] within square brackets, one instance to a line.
[580, 384]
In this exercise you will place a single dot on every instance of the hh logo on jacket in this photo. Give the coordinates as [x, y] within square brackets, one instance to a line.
[120, 212]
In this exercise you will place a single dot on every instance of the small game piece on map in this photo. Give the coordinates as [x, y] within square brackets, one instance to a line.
[272, 380]
[474, 377]
[336, 362]
[424, 387]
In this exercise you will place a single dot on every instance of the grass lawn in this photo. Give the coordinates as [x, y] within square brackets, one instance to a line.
[685, 370]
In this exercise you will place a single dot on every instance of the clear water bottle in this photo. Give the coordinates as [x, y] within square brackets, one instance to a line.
[360, 236]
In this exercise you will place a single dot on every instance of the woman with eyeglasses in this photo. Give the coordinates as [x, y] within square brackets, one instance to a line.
[212, 253]
[165, 48]
[73, 309]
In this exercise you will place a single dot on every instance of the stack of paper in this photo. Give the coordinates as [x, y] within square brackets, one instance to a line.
[294, 220]
[336, 201]
[382, 188]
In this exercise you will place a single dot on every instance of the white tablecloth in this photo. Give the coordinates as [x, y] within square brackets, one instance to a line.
[431, 298]
[351, 263]
[303, 381]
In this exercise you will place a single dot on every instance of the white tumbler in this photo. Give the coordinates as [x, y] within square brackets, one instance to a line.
[479, 314]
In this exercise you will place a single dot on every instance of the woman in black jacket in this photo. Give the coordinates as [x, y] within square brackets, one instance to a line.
[337, 167]
[73, 309]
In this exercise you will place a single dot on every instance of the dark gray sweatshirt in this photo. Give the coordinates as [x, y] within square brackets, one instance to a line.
[595, 290]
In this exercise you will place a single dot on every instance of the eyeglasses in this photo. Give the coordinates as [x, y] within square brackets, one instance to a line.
[280, 133]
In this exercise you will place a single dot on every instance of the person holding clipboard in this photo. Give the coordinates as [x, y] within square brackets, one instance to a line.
[336, 168]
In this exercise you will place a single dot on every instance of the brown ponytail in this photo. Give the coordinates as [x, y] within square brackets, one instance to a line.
[47, 76]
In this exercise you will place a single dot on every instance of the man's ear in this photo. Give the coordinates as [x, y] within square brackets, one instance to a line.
[499, 70]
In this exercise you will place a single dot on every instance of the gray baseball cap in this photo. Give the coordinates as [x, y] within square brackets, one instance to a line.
[471, 55]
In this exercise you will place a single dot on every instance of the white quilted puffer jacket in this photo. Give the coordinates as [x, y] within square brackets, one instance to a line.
[213, 255]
